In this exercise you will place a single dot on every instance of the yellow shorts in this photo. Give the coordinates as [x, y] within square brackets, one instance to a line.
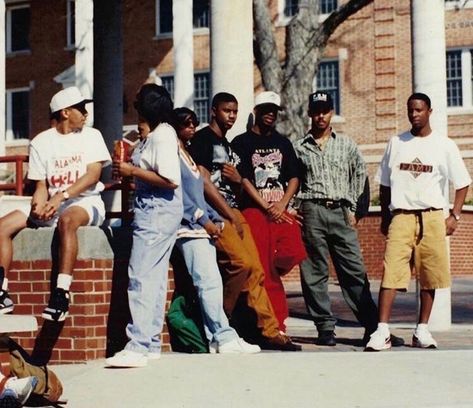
[420, 238]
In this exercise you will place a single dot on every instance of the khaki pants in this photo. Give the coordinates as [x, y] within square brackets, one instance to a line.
[241, 270]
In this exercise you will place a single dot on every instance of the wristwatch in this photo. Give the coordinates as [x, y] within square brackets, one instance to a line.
[65, 194]
[457, 217]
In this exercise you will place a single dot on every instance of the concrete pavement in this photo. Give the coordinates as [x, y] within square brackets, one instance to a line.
[340, 376]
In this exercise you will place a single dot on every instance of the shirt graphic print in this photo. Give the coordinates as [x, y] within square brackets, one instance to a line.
[267, 164]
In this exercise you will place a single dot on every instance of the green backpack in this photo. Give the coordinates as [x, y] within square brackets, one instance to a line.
[185, 326]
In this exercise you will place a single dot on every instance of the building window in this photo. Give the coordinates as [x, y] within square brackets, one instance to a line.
[18, 28]
[200, 11]
[71, 23]
[327, 80]
[459, 78]
[454, 78]
[168, 83]
[201, 94]
[17, 114]
[291, 7]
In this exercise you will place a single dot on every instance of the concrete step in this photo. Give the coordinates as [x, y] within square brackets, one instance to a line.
[17, 324]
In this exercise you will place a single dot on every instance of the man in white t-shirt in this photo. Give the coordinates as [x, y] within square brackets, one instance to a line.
[66, 162]
[413, 175]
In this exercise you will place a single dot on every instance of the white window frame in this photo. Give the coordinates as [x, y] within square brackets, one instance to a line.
[467, 82]
[8, 25]
[159, 35]
[284, 20]
[337, 115]
[9, 136]
[70, 25]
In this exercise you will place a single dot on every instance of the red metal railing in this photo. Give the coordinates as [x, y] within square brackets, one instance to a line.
[125, 186]
[18, 185]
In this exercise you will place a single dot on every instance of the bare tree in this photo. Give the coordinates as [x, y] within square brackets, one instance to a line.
[306, 39]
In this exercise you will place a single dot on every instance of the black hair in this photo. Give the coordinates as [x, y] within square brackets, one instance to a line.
[182, 114]
[420, 96]
[223, 97]
[154, 104]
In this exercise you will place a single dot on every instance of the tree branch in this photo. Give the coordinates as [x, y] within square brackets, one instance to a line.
[328, 27]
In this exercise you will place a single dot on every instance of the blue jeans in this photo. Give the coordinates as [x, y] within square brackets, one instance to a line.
[201, 261]
[154, 234]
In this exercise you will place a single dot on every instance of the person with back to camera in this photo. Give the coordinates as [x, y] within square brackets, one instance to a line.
[158, 210]
[199, 226]
[66, 162]
[415, 168]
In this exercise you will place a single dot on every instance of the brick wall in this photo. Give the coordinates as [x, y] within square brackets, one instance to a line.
[372, 244]
[99, 310]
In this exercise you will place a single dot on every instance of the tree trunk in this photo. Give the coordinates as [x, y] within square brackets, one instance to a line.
[306, 39]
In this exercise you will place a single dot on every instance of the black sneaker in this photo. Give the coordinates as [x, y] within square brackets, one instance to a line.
[58, 306]
[326, 338]
[6, 304]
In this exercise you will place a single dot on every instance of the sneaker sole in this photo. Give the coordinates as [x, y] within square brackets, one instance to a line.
[32, 386]
[416, 344]
[7, 310]
[123, 365]
[386, 346]
[61, 318]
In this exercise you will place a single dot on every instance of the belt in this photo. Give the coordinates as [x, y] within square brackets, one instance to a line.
[330, 204]
[415, 212]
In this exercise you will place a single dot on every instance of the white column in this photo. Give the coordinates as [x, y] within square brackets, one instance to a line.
[183, 45]
[231, 37]
[2, 79]
[84, 60]
[428, 50]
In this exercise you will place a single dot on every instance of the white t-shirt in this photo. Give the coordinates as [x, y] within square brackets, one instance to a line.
[63, 159]
[418, 169]
[160, 153]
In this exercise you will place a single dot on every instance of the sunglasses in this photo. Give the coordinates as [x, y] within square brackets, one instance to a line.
[190, 121]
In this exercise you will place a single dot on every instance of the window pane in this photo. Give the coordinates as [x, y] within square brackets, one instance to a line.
[328, 81]
[71, 23]
[327, 6]
[20, 109]
[168, 83]
[291, 8]
[165, 16]
[201, 13]
[201, 96]
[454, 78]
[20, 29]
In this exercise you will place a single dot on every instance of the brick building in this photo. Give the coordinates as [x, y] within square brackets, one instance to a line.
[367, 65]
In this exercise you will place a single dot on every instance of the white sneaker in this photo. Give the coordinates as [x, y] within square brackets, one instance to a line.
[154, 355]
[21, 387]
[379, 340]
[423, 339]
[127, 358]
[238, 346]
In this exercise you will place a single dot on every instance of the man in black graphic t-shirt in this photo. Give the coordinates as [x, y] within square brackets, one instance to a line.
[269, 169]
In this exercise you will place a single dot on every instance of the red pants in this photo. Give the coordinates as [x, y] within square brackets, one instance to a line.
[280, 248]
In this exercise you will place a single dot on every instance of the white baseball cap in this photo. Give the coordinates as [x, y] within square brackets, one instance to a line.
[67, 97]
[268, 97]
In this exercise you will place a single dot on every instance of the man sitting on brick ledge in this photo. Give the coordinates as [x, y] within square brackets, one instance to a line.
[65, 162]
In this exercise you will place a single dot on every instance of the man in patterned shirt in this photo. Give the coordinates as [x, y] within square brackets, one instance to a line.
[332, 180]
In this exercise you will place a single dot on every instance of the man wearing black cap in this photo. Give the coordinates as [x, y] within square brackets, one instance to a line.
[65, 162]
[333, 178]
